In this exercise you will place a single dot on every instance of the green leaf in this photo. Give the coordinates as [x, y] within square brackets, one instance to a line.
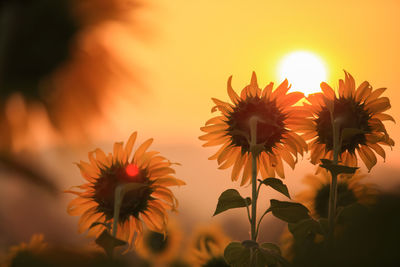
[267, 254]
[336, 169]
[108, 242]
[276, 184]
[231, 199]
[270, 254]
[237, 255]
[249, 244]
[290, 212]
[272, 247]
[305, 229]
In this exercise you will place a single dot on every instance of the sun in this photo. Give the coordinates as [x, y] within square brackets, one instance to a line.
[304, 70]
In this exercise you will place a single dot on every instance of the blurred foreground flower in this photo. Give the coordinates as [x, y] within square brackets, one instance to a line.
[158, 248]
[206, 247]
[147, 202]
[358, 114]
[276, 117]
[56, 55]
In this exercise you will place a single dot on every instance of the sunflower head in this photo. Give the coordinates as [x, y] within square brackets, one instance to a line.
[207, 245]
[161, 248]
[275, 117]
[350, 190]
[357, 110]
[147, 201]
[26, 251]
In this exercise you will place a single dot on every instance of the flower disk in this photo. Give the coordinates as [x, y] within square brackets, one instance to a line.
[275, 139]
[147, 202]
[161, 249]
[358, 109]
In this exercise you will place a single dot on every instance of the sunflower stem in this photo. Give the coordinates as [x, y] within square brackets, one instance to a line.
[333, 185]
[254, 192]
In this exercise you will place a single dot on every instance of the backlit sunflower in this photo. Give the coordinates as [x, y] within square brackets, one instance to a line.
[25, 251]
[206, 247]
[360, 109]
[148, 203]
[159, 248]
[275, 138]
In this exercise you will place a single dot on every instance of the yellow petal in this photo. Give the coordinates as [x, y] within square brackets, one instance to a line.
[280, 90]
[363, 91]
[378, 149]
[378, 105]
[374, 95]
[142, 148]
[232, 94]
[328, 91]
[238, 166]
[169, 182]
[267, 90]
[215, 120]
[118, 151]
[383, 117]
[247, 171]
[220, 150]
[367, 156]
[129, 146]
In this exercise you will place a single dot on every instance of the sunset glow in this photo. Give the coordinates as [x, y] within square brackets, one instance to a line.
[304, 70]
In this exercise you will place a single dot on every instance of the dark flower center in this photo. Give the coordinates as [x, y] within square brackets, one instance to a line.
[269, 132]
[207, 239]
[156, 242]
[345, 197]
[352, 114]
[216, 262]
[134, 201]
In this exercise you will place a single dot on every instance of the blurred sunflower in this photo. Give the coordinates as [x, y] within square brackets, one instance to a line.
[206, 247]
[360, 109]
[24, 251]
[148, 203]
[275, 138]
[350, 190]
[159, 248]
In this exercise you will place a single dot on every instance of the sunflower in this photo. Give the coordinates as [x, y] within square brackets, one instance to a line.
[25, 251]
[207, 245]
[159, 248]
[361, 109]
[275, 138]
[349, 190]
[147, 204]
